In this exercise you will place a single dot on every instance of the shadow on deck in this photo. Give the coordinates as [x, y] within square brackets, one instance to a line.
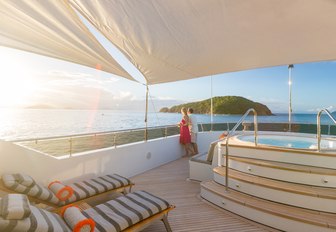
[192, 213]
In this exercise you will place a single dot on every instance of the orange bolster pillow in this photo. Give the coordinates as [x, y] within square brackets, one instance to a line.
[64, 208]
[86, 223]
[77, 221]
[61, 191]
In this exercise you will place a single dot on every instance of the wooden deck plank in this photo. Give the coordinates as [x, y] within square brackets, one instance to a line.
[191, 213]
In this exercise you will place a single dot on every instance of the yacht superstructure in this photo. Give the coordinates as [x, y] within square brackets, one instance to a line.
[178, 40]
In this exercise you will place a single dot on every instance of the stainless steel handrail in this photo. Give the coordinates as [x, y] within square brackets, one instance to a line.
[230, 134]
[319, 126]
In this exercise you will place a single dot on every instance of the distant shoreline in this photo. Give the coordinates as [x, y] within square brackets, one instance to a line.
[274, 114]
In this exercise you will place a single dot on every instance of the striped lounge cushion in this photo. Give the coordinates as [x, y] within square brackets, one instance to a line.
[96, 185]
[14, 206]
[38, 220]
[125, 211]
[35, 190]
[82, 189]
[23, 179]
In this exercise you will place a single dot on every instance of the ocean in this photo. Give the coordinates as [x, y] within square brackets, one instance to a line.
[38, 123]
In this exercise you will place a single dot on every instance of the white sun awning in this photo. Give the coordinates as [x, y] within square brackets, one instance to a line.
[52, 28]
[170, 40]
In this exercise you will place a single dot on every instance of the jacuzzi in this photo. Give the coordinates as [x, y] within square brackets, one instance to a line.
[283, 148]
[287, 156]
[287, 140]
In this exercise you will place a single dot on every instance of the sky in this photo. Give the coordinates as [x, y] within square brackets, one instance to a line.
[29, 80]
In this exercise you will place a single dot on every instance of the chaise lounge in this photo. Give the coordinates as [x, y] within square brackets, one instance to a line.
[130, 212]
[74, 193]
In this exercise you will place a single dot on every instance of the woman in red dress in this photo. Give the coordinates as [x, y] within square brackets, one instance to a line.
[185, 137]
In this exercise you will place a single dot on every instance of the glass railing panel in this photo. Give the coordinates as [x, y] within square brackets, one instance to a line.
[53, 147]
[324, 129]
[156, 133]
[279, 127]
[219, 126]
[232, 125]
[332, 130]
[129, 137]
[206, 127]
[86, 143]
[216, 126]
[173, 131]
[82, 143]
[307, 128]
[312, 128]
[283, 127]
[75, 144]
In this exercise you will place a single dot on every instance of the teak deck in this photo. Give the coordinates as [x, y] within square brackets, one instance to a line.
[191, 213]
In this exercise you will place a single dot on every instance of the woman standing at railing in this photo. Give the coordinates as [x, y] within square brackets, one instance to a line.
[185, 137]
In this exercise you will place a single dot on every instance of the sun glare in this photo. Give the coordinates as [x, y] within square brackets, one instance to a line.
[16, 80]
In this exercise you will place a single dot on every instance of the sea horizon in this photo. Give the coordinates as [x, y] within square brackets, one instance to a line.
[36, 123]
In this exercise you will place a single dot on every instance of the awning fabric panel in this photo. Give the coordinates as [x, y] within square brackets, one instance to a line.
[170, 40]
[53, 29]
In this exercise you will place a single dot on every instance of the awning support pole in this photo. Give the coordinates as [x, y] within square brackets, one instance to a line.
[211, 107]
[290, 67]
[146, 113]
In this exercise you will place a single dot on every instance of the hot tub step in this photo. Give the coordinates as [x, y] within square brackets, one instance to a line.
[305, 196]
[280, 216]
[295, 173]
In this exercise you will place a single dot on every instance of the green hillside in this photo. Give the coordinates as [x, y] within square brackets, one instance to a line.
[222, 105]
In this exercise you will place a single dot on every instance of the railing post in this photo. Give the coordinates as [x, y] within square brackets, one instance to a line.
[146, 114]
[227, 164]
[146, 135]
[255, 129]
[319, 130]
[70, 146]
[114, 140]
[219, 154]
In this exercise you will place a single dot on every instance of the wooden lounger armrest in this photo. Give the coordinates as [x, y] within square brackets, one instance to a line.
[130, 187]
